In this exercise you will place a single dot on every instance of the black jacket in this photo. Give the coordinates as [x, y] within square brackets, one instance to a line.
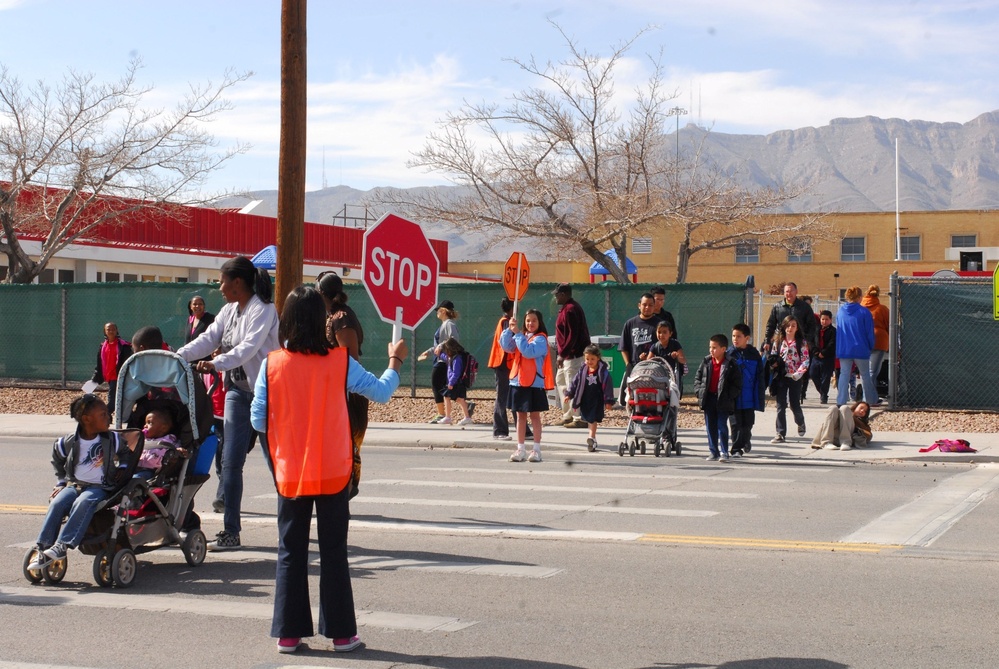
[729, 383]
[800, 310]
[118, 460]
[124, 353]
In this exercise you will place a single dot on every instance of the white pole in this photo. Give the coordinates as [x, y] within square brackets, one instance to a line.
[516, 285]
[898, 229]
[397, 326]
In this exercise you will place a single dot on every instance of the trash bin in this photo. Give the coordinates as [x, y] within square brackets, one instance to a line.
[612, 356]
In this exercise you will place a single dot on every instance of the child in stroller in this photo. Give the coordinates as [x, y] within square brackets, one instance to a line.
[90, 465]
[162, 446]
[653, 402]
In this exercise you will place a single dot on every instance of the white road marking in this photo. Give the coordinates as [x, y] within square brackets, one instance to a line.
[475, 529]
[513, 471]
[925, 519]
[218, 608]
[538, 487]
[534, 506]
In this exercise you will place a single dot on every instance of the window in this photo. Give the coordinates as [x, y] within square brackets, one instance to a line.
[65, 276]
[112, 276]
[47, 276]
[963, 241]
[149, 278]
[641, 245]
[131, 277]
[910, 249]
[748, 251]
[181, 279]
[853, 249]
[800, 250]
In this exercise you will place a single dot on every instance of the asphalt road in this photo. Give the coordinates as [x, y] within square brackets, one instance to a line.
[462, 559]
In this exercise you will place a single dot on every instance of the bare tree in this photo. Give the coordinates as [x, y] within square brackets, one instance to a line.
[561, 164]
[85, 154]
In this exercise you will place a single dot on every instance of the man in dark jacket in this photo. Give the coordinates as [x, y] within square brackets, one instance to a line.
[571, 337]
[790, 306]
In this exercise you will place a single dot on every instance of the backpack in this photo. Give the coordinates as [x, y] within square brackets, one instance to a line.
[950, 446]
[469, 372]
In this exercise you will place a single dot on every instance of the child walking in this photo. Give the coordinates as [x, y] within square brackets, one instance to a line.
[752, 396]
[717, 385]
[456, 358]
[591, 391]
[89, 464]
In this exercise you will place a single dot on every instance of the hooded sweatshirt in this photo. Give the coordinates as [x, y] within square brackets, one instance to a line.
[879, 313]
[854, 332]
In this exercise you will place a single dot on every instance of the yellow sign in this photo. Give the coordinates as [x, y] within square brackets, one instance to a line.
[995, 293]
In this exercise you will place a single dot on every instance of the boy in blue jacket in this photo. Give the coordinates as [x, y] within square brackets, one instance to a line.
[752, 397]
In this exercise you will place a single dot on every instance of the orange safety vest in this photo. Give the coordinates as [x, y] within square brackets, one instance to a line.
[497, 356]
[308, 427]
[525, 369]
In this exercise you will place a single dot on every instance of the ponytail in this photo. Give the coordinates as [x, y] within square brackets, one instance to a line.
[262, 286]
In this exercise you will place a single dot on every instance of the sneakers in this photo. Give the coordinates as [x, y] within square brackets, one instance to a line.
[436, 419]
[845, 447]
[518, 455]
[446, 420]
[779, 439]
[814, 445]
[56, 552]
[224, 541]
[346, 645]
[535, 456]
[42, 558]
[218, 506]
[466, 421]
[712, 458]
[749, 447]
[736, 454]
[502, 437]
[801, 430]
[591, 444]
[830, 447]
[288, 644]
[723, 458]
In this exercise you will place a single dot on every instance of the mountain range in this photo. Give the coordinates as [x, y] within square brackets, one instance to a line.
[847, 166]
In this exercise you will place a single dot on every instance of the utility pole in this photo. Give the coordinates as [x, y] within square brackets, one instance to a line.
[291, 160]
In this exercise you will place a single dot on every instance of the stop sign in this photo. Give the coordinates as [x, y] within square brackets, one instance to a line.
[516, 276]
[399, 269]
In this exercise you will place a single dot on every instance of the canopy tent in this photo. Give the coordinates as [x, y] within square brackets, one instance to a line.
[597, 269]
[266, 258]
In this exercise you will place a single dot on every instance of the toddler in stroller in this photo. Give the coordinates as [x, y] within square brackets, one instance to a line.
[162, 446]
[653, 402]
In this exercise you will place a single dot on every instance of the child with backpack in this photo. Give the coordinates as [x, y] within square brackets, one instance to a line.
[591, 391]
[458, 379]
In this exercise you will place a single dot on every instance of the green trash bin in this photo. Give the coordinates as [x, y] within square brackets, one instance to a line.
[612, 356]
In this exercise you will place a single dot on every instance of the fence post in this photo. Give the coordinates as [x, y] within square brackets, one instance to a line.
[412, 362]
[893, 321]
[62, 336]
[607, 301]
[759, 319]
[750, 291]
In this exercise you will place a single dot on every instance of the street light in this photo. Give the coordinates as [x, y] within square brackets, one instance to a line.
[677, 112]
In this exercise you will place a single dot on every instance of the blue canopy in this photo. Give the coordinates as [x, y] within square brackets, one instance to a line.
[266, 258]
[597, 268]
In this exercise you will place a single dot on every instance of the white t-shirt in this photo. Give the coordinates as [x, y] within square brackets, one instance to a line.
[89, 461]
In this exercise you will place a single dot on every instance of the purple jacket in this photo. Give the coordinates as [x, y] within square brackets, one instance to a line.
[578, 384]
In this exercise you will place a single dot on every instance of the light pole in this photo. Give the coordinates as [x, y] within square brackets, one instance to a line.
[677, 112]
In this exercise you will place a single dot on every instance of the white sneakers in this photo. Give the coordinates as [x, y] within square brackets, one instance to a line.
[466, 421]
[521, 454]
[446, 420]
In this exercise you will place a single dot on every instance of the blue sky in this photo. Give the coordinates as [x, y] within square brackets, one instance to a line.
[381, 73]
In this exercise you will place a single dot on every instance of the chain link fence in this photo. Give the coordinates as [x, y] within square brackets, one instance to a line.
[52, 333]
[942, 338]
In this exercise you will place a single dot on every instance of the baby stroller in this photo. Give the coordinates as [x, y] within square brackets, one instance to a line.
[653, 401]
[144, 515]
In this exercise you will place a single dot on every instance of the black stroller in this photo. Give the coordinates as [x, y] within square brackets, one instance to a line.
[144, 515]
[653, 403]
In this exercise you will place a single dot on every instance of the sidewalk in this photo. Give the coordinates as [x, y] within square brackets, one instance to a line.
[557, 439]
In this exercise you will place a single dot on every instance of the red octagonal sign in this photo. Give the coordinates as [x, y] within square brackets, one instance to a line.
[400, 271]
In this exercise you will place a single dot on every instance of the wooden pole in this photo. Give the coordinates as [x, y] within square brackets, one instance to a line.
[291, 161]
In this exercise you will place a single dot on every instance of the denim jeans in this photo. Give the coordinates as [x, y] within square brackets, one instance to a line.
[864, 368]
[219, 425]
[237, 441]
[292, 605]
[79, 506]
[716, 425]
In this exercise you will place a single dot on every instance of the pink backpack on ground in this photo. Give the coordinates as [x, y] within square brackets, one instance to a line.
[950, 446]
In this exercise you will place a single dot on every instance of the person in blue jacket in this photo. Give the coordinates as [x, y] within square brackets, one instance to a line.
[854, 343]
[752, 397]
[531, 376]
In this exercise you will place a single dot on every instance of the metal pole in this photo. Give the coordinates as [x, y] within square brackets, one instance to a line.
[62, 342]
[893, 323]
[898, 229]
[291, 158]
[412, 363]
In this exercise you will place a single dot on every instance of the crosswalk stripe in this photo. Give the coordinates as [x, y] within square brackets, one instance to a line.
[218, 608]
[537, 487]
[786, 544]
[535, 506]
[511, 471]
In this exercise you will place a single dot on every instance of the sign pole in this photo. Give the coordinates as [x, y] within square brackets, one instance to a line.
[397, 325]
[516, 295]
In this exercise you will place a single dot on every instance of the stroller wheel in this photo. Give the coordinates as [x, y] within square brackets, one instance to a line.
[631, 449]
[33, 575]
[55, 571]
[666, 447]
[659, 448]
[102, 568]
[642, 448]
[123, 568]
[195, 546]
[676, 447]
[620, 449]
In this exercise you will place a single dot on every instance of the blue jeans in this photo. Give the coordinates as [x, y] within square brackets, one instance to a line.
[292, 606]
[864, 367]
[716, 425]
[80, 506]
[237, 441]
